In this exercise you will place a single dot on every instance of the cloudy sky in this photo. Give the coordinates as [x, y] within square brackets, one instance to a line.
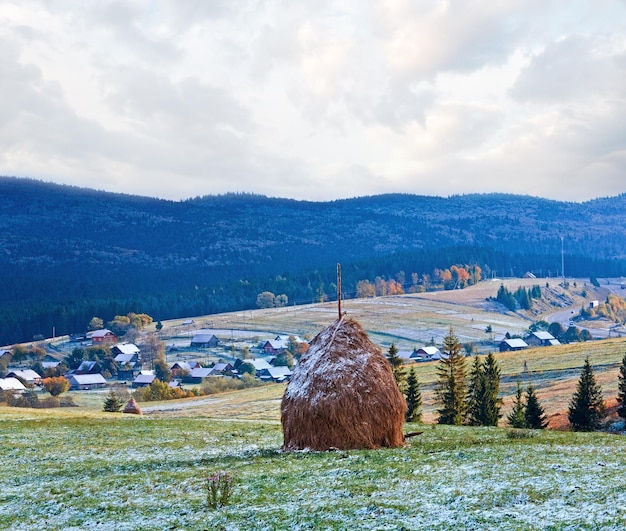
[315, 99]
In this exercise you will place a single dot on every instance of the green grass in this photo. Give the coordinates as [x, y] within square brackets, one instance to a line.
[80, 470]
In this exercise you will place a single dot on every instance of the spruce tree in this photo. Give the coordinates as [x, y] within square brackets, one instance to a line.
[621, 389]
[451, 388]
[483, 403]
[413, 398]
[113, 402]
[396, 366]
[517, 417]
[534, 413]
[475, 393]
[586, 408]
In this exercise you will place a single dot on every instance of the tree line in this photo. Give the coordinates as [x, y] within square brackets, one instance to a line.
[470, 396]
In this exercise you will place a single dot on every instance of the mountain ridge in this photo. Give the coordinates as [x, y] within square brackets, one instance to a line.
[70, 251]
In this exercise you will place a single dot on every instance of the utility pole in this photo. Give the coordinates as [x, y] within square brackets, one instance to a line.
[339, 289]
[562, 262]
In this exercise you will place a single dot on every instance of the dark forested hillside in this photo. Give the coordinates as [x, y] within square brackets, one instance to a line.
[67, 254]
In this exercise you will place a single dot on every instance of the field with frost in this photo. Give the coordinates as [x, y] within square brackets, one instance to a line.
[75, 470]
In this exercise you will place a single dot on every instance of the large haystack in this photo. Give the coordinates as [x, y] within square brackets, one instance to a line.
[342, 394]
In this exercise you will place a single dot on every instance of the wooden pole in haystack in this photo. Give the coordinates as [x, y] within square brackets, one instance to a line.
[339, 289]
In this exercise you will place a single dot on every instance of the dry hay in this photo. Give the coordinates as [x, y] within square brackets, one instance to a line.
[342, 394]
[132, 407]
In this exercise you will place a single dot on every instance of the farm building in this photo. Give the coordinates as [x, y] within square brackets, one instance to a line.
[276, 374]
[88, 367]
[542, 339]
[125, 349]
[11, 384]
[143, 379]
[196, 375]
[87, 381]
[27, 376]
[427, 353]
[102, 337]
[183, 367]
[204, 338]
[509, 345]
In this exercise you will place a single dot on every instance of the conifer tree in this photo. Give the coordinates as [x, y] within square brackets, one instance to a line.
[483, 402]
[586, 408]
[492, 404]
[413, 398]
[112, 403]
[475, 393]
[396, 366]
[517, 418]
[451, 390]
[621, 389]
[534, 413]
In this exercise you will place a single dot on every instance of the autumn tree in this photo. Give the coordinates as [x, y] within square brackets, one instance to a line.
[451, 389]
[586, 409]
[364, 289]
[56, 385]
[161, 370]
[96, 323]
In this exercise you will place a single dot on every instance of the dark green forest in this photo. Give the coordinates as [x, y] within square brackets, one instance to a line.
[67, 253]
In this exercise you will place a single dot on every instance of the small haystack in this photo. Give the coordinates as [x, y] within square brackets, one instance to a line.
[342, 394]
[132, 407]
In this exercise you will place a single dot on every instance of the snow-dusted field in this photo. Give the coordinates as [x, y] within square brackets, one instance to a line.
[114, 472]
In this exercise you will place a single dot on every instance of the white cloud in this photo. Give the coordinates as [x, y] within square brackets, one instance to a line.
[316, 100]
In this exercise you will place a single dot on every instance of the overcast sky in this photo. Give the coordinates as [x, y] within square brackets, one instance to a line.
[314, 99]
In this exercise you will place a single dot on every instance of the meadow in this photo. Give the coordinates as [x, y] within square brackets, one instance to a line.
[75, 470]
[80, 468]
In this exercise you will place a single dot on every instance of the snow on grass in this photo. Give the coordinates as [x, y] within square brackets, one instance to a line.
[121, 473]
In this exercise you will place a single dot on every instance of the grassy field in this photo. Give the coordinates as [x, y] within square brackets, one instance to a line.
[76, 470]
[80, 468]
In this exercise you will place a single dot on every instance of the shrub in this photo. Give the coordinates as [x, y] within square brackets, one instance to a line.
[219, 489]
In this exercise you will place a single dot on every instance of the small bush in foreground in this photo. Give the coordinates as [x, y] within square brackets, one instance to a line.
[219, 489]
[520, 433]
[218, 384]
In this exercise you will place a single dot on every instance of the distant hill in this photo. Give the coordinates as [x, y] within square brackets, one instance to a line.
[67, 253]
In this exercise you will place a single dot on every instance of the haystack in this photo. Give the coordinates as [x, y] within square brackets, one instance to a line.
[132, 407]
[342, 394]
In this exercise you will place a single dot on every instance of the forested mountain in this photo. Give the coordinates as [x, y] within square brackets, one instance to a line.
[67, 254]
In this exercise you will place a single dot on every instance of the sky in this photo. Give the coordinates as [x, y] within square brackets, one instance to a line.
[316, 99]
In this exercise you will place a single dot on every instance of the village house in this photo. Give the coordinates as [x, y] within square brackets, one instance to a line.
[223, 368]
[102, 337]
[88, 367]
[11, 384]
[542, 339]
[427, 353]
[28, 376]
[87, 381]
[126, 349]
[204, 338]
[509, 345]
[180, 368]
[143, 379]
[276, 374]
[127, 360]
[198, 374]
